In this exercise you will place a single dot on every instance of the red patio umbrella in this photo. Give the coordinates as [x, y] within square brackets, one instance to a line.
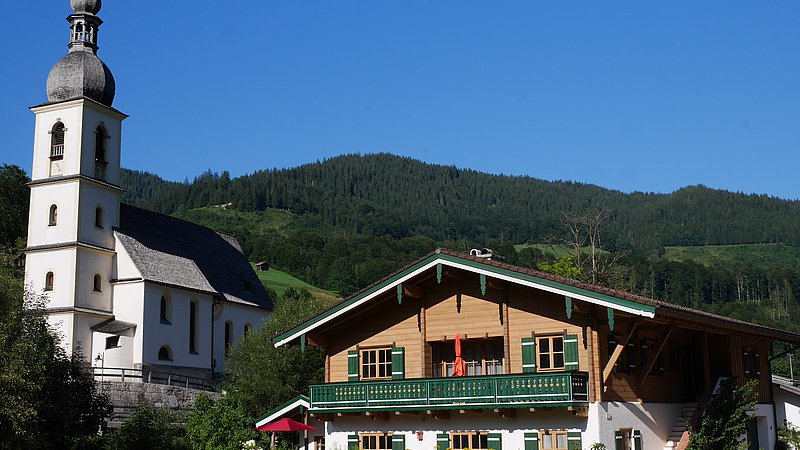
[285, 424]
[459, 366]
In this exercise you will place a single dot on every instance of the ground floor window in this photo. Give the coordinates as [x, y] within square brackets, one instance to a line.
[627, 438]
[319, 442]
[553, 440]
[376, 441]
[472, 441]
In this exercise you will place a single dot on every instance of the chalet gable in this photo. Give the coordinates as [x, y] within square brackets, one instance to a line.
[401, 284]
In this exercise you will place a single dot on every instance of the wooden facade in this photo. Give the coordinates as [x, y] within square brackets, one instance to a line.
[664, 356]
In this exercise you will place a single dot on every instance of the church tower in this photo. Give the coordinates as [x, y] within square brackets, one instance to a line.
[75, 197]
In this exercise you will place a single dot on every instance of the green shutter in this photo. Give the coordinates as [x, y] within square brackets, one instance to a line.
[442, 441]
[574, 440]
[352, 442]
[637, 440]
[352, 365]
[398, 442]
[398, 363]
[531, 441]
[528, 355]
[571, 352]
[618, 444]
[495, 441]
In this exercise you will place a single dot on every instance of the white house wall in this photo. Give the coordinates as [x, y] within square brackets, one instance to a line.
[65, 197]
[92, 118]
[654, 420]
[91, 263]
[62, 263]
[124, 268]
[512, 430]
[787, 407]
[70, 114]
[238, 316]
[92, 196]
[129, 307]
[176, 334]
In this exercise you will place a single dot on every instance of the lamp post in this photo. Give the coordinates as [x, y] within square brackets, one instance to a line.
[101, 357]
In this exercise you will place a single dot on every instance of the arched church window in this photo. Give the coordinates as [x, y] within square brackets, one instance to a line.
[53, 217]
[97, 283]
[57, 141]
[100, 159]
[49, 281]
[228, 337]
[98, 217]
[165, 311]
[193, 327]
[248, 329]
[164, 353]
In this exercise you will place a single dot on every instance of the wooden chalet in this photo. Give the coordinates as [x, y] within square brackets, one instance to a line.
[550, 363]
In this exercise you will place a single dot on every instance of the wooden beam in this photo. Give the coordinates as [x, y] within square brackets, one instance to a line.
[452, 273]
[412, 291]
[648, 366]
[317, 340]
[618, 352]
[494, 283]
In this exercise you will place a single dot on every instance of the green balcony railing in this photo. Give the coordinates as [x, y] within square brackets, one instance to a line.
[503, 391]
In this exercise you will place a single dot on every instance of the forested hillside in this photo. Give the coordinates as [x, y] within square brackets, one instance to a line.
[379, 195]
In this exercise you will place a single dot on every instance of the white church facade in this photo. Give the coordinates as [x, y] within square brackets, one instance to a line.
[126, 287]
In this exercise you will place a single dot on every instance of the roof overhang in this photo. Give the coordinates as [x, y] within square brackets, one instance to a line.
[299, 402]
[447, 260]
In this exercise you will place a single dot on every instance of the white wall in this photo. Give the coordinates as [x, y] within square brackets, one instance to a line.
[92, 196]
[124, 268]
[65, 197]
[654, 420]
[62, 263]
[89, 264]
[128, 306]
[238, 315]
[787, 407]
[80, 118]
[512, 430]
[176, 334]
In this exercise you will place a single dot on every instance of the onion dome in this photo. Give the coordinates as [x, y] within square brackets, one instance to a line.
[86, 6]
[81, 73]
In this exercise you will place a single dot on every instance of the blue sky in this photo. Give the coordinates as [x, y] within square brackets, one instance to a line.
[629, 95]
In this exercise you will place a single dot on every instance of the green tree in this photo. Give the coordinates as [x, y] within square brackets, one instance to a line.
[47, 399]
[725, 419]
[151, 427]
[260, 376]
[14, 200]
[789, 436]
[563, 267]
[220, 425]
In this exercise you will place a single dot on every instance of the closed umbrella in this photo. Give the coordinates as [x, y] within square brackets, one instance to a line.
[459, 366]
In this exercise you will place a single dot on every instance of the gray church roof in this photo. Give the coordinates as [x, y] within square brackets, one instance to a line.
[175, 252]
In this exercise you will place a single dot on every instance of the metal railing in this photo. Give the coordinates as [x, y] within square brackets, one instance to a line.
[479, 391]
[57, 151]
[151, 376]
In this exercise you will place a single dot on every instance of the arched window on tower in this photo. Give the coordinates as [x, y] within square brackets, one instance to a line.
[98, 217]
[49, 281]
[56, 148]
[52, 219]
[100, 158]
[98, 283]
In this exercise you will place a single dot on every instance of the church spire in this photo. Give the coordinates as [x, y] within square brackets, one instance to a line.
[81, 74]
[84, 25]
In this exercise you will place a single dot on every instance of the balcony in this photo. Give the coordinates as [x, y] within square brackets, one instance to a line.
[495, 391]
